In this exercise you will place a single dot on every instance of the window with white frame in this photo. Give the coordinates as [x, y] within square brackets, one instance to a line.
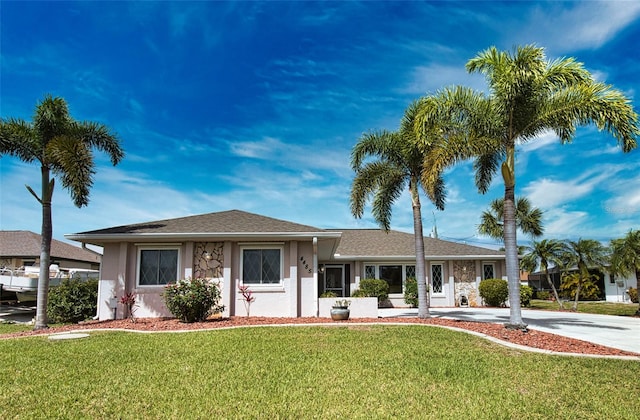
[262, 265]
[488, 271]
[157, 266]
[395, 275]
[370, 272]
[436, 278]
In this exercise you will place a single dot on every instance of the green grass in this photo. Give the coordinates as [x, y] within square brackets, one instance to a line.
[10, 327]
[604, 308]
[306, 372]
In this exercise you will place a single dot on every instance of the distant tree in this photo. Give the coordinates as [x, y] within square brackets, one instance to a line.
[528, 219]
[62, 147]
[528, 96]
[541, 254]
[386, 164]
[584, 254]
[625, 256]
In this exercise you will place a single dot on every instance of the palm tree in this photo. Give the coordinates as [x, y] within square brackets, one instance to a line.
[396, 166]
[528, 219]
[63, 148]
[528, 95]
[541, 254]
[625, 257]
[584, 254]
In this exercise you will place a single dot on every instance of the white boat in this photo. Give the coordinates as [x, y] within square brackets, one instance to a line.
[23, 281]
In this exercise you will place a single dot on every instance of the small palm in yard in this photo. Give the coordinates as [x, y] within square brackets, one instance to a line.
[625, 257]
[528, 219]
[62, 147]
[541, 254]
[584, 254]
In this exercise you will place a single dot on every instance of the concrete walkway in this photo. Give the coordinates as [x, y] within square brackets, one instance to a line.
[619, 332]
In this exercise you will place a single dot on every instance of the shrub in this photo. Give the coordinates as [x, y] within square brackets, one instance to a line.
[543, 295]
[633, 295]
[526, 293]
[411, 292]
[74, 300]
[192, 300]
[588, 291]
[494, 292]
[373, 288]
[328, 294]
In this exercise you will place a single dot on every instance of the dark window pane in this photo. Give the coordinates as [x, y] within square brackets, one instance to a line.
[392, 274]
[436, 278]
[261, 266]
[488, 271]
[158, 266]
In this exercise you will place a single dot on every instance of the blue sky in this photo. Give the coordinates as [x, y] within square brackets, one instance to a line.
[257, 105]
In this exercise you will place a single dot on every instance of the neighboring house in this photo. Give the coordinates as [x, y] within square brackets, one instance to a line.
[612, 288]
[286, 265]
[21, 248]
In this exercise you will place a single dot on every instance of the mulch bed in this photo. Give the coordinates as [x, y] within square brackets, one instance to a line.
[531, 338]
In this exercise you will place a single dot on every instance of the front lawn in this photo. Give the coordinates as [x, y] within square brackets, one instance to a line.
[306, 372]
[603, 308]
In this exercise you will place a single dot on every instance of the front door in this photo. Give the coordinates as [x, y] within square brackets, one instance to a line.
[334, 279]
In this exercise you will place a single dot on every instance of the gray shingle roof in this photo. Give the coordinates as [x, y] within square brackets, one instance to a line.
[376, 242]
[23, 243]
[232, 221]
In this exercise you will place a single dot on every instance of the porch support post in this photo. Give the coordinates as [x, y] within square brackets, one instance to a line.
[228, 285]
[294, 302]
[315, 276]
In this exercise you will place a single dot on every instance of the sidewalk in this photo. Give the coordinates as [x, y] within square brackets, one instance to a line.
[613, 331]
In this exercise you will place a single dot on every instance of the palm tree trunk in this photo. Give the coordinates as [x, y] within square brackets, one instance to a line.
[553, 287]
[511, 251]
[575, 301]
[421, 278]
[45, 251]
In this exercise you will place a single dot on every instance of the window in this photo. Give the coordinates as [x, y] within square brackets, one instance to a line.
[392, 274]
[157, 266]
[436, 278]
[370, 272]
[262, 265]
[488, 272]
[410, 272]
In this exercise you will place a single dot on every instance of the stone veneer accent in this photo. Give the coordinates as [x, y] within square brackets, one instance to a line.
[208, 259]
[464, 275]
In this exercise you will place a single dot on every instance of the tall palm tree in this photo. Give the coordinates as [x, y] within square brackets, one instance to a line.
[541, 254]
[528, 95]
[386, 164]
[528, 219]
[62, 147]
[584, 254]
[625, 257]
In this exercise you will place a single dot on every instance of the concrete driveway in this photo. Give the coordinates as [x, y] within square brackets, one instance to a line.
[19, 313]
[613, 331]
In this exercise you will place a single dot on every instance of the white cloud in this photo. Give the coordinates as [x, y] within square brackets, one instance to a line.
[563, 27]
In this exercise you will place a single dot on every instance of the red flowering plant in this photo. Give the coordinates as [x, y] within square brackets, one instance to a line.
[129, 301]
[247, 296]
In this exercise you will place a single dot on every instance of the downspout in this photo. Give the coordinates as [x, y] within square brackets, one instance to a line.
[315, 275]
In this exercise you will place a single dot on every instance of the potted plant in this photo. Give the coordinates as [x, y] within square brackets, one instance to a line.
[340, 310]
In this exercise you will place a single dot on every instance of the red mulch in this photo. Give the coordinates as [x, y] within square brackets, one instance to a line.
[531, 338]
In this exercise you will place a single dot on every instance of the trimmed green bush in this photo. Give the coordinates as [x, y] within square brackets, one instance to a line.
[633, 295]
[543, 295]
[526, 293]
[411, 292]
[329, 294]
[73, 301]
[192, 300]
[373, 288]
[494, 292]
